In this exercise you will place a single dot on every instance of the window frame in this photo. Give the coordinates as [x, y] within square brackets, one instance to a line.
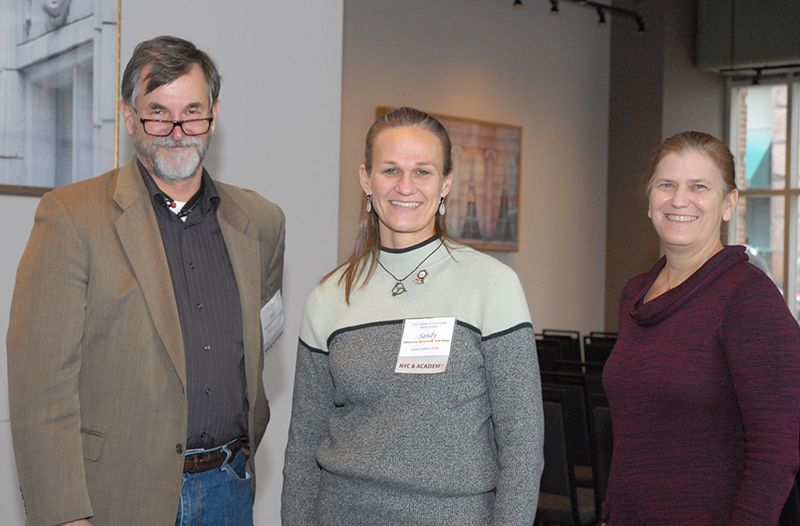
[791, 190]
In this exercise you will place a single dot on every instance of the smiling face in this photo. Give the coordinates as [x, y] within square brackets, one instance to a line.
[406, 184]
[176, 157]
[688, 203]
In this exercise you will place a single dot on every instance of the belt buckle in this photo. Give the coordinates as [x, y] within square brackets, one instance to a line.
[228, 455]
[211, 459]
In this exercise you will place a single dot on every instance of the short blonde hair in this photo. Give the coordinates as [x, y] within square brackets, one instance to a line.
[708, 145]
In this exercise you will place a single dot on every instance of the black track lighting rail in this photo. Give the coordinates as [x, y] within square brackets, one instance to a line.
[601, 9]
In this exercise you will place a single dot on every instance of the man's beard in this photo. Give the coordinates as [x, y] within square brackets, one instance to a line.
[169, 172]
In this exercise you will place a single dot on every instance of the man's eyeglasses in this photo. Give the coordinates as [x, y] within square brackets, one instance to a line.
[192, 127]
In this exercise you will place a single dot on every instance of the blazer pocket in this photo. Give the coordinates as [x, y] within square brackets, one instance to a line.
[92, 444]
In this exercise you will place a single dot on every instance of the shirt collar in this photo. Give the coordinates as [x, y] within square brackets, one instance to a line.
[207, 198]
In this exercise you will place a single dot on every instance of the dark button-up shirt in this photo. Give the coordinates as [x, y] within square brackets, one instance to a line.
[210, 314]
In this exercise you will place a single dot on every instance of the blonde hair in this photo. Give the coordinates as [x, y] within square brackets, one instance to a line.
[708, 145]
[367, 246]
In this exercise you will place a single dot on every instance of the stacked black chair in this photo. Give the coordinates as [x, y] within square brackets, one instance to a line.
[580, 425]
[573, 379]
[561, 501]
[550, 352]
[603, 448]
[573, 397]
[790, 515]
[598, 345]
[570, 342]
[585, 448]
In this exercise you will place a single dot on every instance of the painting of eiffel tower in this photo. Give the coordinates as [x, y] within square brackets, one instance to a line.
[472, 225]
[505, 229]
[483, 207]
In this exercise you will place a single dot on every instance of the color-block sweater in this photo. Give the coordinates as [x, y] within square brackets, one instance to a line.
[369, 446]
[704, 389]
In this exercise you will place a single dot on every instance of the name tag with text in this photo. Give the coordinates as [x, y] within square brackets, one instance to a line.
[272, 321]
[425, 345]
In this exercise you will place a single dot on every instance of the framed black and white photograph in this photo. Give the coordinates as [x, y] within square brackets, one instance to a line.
[58, 92]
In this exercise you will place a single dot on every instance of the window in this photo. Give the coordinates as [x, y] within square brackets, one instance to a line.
[764, 139]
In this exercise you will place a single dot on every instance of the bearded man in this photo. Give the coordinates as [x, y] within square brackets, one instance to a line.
[135, 345]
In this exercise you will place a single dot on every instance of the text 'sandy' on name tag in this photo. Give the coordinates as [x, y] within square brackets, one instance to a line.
[425, 346]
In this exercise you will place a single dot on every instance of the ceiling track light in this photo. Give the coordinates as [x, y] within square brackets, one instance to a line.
[602, 10]
[640, 23]
[601, 17]
[517, 4]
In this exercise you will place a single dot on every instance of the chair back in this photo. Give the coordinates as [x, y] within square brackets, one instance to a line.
[569, 340]
[604, 447]
[573, 405]
[557, 466]
[558, 484]
[550, 352]
[597, 346]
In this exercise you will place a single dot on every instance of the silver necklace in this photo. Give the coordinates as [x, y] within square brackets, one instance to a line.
[399, 288]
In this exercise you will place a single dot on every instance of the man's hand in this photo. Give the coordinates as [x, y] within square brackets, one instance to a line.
[82, 522]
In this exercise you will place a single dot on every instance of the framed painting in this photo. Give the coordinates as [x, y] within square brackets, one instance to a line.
[483, 205]
[58, 90]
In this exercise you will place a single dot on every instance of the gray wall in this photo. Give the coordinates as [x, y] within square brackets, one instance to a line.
[656, 92]
[278, 130]
[486, 60]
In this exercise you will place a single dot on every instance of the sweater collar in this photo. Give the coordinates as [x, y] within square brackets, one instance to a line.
[411, 248]
[664, 306]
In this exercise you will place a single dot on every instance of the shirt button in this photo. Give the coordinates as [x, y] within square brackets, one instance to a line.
[203, 434]
[208, 391]
[179, 449]
[199, 305]
[206, 347]
[191, 265]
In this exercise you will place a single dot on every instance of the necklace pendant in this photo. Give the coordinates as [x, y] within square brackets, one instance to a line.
[398, 289]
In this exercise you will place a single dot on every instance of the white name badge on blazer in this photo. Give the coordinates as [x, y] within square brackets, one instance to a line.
[272, 321]
[425, 346]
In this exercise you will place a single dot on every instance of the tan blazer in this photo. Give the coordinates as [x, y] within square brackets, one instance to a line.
[95, 353]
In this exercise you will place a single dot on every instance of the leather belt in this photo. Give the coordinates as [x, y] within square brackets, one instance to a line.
[201, 462]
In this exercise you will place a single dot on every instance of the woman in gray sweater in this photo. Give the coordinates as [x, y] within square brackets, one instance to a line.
[417, 397]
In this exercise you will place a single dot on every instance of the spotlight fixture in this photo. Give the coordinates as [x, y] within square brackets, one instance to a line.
[602, 10]
[517, 4]
[601, 22]
[640, 22]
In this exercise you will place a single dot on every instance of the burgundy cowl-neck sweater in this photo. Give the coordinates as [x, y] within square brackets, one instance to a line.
[704, 390]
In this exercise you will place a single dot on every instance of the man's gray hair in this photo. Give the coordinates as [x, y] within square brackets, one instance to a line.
[170, 58]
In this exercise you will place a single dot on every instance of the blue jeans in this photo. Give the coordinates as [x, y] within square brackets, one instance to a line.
[217, 497]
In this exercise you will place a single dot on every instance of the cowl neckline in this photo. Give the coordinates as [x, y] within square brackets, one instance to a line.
[657, 310]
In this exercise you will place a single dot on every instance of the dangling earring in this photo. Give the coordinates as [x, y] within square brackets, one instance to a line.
[369, 204]
[442, 209]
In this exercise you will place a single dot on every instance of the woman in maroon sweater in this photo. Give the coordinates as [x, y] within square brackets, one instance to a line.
[704, 382]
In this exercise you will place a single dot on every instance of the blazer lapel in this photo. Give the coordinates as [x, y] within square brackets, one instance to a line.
[245, 254]
[141, 241]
